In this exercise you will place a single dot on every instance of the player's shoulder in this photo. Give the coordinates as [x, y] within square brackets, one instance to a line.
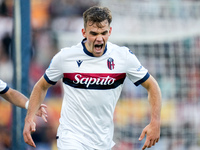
[116, 48]
[2, 82]
[69, 51]
[72, 48]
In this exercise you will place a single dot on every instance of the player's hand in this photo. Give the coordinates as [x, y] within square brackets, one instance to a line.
[29, 127]
[152, 132]
[42, 112]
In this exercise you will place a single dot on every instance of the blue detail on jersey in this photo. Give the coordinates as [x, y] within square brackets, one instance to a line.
[139, 68]
[48, 80]
[87, 52]
[130, 51]
[79, 62]
[5, 90]
[143, 79]
[50, 63]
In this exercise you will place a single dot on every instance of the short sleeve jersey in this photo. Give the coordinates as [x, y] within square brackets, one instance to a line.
[3, 87]
[92, 86]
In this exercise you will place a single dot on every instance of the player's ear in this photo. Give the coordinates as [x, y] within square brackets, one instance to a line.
[110, 31]
[83, 33]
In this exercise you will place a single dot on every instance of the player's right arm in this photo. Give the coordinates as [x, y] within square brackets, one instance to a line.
[37, 96]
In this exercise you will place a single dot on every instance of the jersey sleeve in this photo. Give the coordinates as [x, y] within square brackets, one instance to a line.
[135, 71]
[3, 87]
[54, 72]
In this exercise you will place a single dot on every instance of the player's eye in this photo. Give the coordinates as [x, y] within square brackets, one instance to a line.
[93, 33]
[104, 33]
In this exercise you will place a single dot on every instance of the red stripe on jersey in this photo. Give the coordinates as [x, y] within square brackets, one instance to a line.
[94, 80]
[117, 76]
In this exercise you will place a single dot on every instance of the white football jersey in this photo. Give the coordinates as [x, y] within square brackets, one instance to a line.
[92, 86]
[3, 87]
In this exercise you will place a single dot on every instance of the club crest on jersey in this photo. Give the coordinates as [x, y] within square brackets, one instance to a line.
[110, 63]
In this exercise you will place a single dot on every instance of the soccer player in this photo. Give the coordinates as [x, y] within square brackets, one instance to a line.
[20, 100]
[93, 72]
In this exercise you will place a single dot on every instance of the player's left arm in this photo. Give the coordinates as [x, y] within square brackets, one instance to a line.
[152, 130]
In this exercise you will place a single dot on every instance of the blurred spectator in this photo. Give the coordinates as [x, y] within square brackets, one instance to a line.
[6, 66]
[5, 138]
[40, 14]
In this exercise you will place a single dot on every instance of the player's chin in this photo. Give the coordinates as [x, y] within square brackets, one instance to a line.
[98, 53]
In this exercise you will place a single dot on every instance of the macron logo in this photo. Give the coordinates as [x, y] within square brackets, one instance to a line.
[79, 62]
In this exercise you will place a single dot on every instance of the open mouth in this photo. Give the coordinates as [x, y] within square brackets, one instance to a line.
[98, 46]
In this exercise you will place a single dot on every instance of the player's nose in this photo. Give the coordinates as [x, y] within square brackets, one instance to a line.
[99, 38]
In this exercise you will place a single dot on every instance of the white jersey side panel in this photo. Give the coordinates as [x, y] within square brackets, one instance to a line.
[92, 86]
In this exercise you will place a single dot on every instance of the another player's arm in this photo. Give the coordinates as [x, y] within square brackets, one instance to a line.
[20, 100]
[15, 98]
[152, 130]
[37, 96]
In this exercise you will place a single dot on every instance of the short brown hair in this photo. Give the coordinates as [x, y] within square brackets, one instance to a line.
[97, 14]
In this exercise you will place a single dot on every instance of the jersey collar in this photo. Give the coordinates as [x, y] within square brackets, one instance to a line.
[87, 52]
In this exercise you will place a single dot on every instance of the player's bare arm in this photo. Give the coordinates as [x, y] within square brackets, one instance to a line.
[15, 98]
[18, 99]
[152, 130]
[37, 96]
